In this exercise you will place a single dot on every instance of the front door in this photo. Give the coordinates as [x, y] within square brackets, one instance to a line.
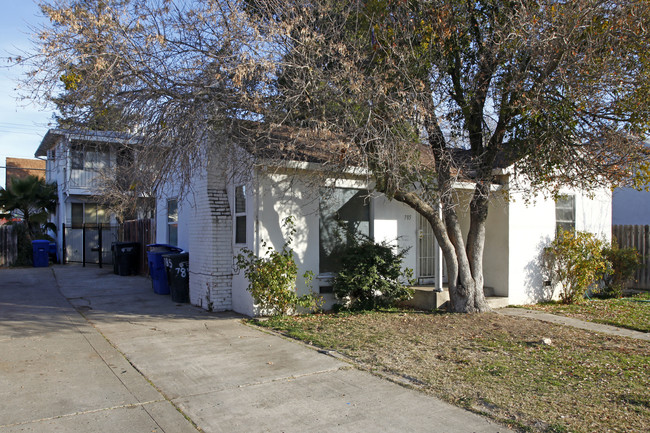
[427, 253]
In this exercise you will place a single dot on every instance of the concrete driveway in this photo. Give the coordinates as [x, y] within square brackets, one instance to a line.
[134, 361]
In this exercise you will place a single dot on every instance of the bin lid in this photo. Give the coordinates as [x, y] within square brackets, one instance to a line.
[41, 242]
[162, 248]
[180, 255]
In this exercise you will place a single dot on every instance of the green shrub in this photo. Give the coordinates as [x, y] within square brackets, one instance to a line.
[576, 262]
[272, 279]
[25, 250]
[372, 277]
[24, 256]
[624, 263]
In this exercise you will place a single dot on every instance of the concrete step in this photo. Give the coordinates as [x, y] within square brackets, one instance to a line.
[426, 298]
[497, 301]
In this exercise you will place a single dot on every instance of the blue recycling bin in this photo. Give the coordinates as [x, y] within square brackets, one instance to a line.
[53, 252]
[157, 266]
[41, 253]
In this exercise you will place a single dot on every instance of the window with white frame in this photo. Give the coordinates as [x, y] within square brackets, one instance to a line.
[240, 214]
[172, 222]
[344, 214]
[565, 213]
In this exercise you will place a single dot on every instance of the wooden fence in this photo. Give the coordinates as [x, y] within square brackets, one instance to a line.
[143, 232]
[8, 245]
[637, 237]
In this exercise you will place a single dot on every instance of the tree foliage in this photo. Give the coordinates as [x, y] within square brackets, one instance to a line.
[175, 73]
[31, 200]
[433, 92]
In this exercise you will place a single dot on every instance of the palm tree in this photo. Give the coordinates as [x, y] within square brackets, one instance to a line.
[30, 199]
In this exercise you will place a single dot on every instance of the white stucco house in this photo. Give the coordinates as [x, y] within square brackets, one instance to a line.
[227, 210]
[75, 159]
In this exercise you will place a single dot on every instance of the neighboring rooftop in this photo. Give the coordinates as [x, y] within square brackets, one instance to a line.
[23, 167]
[54, 135]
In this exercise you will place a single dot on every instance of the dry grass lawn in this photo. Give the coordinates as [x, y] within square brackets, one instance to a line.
[498, 365]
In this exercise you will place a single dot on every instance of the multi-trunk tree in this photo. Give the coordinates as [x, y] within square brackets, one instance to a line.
[424, 93]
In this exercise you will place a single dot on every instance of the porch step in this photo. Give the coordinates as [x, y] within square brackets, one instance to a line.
[497, 301]
[426, 298]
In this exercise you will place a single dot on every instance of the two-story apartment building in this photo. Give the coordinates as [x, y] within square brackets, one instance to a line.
[77, 161]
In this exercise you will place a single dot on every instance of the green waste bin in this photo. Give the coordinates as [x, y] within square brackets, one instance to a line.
[178, 276]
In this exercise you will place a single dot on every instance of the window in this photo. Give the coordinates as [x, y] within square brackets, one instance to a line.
[240, 214]
[344, 213]
[88, 157]
[565, 213]
[89, 214]
[77, 214]
[77, 157]
[172, 222]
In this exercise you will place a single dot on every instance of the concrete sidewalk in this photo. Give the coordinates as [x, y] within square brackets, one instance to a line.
[576, 323]
[222, 374]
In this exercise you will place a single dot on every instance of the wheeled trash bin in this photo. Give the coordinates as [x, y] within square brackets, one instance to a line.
[41, 253]
[157, 267]
[178, 276]
[125, 258]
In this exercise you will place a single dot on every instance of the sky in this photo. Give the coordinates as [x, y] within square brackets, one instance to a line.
[22, 125]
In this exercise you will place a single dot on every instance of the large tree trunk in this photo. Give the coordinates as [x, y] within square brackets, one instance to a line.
[464, 265]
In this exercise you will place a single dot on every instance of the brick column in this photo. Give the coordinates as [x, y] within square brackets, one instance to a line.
[211, 250]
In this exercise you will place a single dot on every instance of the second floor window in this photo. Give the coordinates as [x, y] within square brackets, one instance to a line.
[87, 157]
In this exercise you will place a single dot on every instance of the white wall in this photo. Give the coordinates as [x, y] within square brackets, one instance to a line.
[496, 248]
[396, 224]
[279, 195]
[532, 228]
[186, 212]
[630, 207]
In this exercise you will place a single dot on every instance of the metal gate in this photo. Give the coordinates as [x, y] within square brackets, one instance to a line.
[89, 243]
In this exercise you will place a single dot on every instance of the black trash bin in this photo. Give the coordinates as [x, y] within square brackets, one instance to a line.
[125, 258]
[178, 276]
[114, 256]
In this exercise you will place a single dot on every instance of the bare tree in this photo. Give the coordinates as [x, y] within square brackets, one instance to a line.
[422, 93]
[172, 72]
